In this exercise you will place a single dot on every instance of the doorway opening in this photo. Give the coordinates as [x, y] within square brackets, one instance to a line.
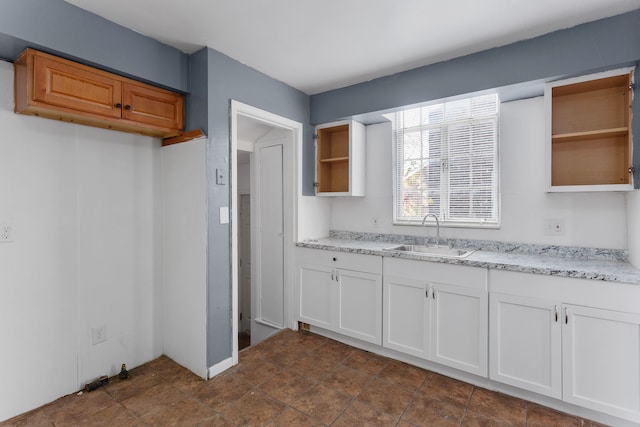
[263, 157]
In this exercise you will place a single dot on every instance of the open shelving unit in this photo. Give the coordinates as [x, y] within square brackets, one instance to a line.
[340, 159]
[589, 147]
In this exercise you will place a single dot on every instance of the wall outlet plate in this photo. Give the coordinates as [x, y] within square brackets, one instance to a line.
[98, 334]
[7, 233]
[554, 227]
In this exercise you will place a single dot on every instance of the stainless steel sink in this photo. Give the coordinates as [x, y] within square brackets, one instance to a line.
[441, 251]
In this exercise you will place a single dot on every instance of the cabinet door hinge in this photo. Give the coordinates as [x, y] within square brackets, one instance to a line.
[632, 169]
[315, 136]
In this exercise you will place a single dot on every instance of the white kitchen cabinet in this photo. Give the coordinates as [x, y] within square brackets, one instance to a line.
[438, 312]
[340, 292]
[572, 339]
[601, 360]
[407, 311]
[340, 159]
[459, 327]
[525, 343]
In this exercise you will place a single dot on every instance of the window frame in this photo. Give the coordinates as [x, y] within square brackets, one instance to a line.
[397, 175]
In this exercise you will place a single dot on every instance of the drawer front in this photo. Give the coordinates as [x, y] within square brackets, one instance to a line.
[344, 260]
[437, 272]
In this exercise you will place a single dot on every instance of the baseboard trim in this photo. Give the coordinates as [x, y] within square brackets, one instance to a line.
[220, 367]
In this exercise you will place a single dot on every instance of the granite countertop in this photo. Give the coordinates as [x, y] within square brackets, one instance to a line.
[583, 263]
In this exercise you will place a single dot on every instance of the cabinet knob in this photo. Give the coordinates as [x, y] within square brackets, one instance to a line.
[127, 107]
[118, 105]
[335, 259]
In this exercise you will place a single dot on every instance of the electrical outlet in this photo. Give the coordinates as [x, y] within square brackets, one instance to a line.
[98, 334]
[7, 233]
[554, 227]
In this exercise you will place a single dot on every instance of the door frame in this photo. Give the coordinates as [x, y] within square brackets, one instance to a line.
[290, 227]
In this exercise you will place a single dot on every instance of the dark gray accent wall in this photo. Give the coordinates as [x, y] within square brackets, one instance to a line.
[60, 28]
[230, 80]
[593, 46]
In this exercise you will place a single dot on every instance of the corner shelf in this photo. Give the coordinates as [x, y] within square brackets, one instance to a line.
[588, 132]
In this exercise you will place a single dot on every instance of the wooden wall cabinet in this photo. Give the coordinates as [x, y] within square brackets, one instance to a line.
[340, 159]
[56, 88]
[589, 139]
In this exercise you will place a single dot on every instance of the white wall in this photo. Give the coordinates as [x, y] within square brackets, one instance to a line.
[633, 225]
[184, 310]
[86, 205]
[591, 219]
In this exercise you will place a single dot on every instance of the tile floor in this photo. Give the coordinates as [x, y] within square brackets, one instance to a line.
[294, 379]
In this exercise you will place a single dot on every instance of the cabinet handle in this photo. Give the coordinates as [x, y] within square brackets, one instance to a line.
[127, 107]
[332, 276]
[555, 309]
[337, 276]
[566, 316]
[426, 293]
[118, 105]
[433, 293]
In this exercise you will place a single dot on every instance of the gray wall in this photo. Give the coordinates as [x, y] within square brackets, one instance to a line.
[66, 30]
[228, 79]
[520, 68]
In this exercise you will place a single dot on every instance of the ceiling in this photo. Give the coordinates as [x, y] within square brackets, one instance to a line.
[322, 45]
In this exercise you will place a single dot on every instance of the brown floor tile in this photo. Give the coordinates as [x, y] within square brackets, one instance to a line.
[498, 407]
[347, 380]
[386, 396]
[365, 361]
[322, 403]
[313, 367]
[287, 386]
[539, 416]
[427, 411]
[255, 372]
[446, 389]
[284, 356]
[292, 417]
[403, 375]
[255, 408]
[333, 351]
[358, 413]
[474, 420]
[308, 341]
[114, 416]
[221, 391]
[36, 418]
[135, 384]
[187, 411]
[73, 408]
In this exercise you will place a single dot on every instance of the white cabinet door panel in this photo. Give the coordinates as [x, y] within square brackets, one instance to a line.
[459, 336]
[601, 360]
[525, 343]
[406, 316]
[360, 305]
[316, 289]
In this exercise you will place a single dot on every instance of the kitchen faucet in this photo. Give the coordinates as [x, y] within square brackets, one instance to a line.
[437, 226]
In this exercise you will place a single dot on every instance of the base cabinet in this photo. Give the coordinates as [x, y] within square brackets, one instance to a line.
[340, 292]
[525, 344]
[564, 346]
[437, 312]
[601, 360]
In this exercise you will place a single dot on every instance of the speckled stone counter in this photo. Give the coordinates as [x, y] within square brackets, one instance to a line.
[583, 263]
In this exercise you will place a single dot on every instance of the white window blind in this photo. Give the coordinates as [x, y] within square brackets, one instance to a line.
[446, 162]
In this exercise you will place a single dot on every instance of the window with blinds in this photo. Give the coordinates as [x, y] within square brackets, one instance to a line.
[446, 162]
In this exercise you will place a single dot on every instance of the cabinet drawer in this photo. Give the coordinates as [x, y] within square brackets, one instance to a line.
[344, 260]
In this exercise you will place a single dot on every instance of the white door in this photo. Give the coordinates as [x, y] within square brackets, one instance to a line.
[359, 305]
[601, 360]
[270, 239]
[406, 316]
[245, 263]
[459, 321]
[525, 343]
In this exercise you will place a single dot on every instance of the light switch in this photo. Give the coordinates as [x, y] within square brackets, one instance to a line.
[224, 215]
[220, 177]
